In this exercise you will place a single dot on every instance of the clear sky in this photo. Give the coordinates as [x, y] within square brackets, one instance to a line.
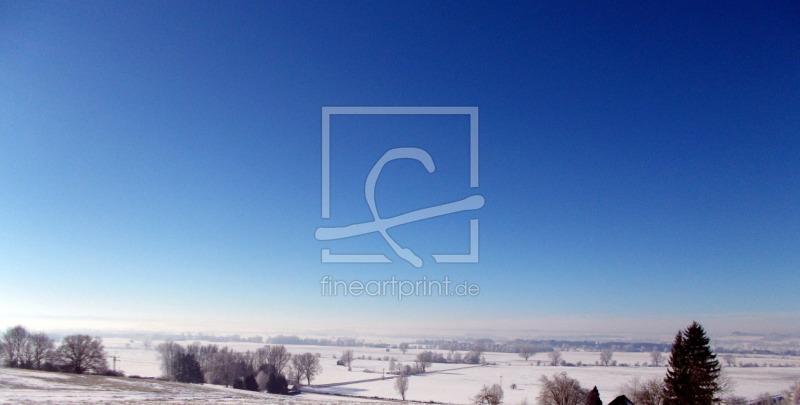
[160, 164]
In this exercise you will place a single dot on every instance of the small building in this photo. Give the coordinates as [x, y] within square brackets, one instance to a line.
[621, 400]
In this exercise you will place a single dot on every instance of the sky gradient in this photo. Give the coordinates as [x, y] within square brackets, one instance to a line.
[160, 164]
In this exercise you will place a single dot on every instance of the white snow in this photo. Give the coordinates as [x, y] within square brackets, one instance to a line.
[447, 383]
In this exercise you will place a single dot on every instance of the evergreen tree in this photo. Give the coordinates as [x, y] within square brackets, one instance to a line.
[250, 383]
[187, 369]
[594, 397]
[693, 370]
[276, 382]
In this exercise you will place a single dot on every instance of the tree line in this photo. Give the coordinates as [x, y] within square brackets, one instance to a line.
[269, 368]
[77, 354]
[540, 346]
[694, 377]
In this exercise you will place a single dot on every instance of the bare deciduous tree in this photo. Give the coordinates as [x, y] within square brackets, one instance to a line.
[261, 356]
[293, 373]
[730, 359]
[82, 353]
[526, 351]
[606, 356]
[205, 355]
[735, 400]
[555, 357]
[168, 352]
[225, 367]
[306, 365]
[489, 395]
[403, 347]
[765, 398]
[725, 384]
[424, 360]
[648, 392]
[656, 357]
[249, 360]
[561, 390]
[793, 393]
[347, 359]
[15, 342]
[401, 385]
[278, 357]
[41, 350]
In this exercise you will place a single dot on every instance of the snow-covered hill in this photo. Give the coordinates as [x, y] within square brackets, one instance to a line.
[38, 387]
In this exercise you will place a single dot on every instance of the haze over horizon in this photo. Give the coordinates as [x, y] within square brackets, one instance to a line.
[160, 165]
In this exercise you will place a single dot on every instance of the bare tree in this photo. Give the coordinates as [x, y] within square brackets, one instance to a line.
[261, 356]
[489, 395]
[278, 357]
[765, 398]
[194, 349]
[656, 357]
[401, 385]
[725, 384]
[293, 373]
[606, 356]
[15, 342]
[306, 365]
[526, 351]
[205, 355]
[648, 392]
[555, 357]
[249, 360]
[403, 347]
[792, 395]
[82, 353]
[424, 360]
[347, 359]
[41, 350]
[224, 367]
[561, 390]
[168, 352]
[473, 356]
[730, 359]
[735, 400]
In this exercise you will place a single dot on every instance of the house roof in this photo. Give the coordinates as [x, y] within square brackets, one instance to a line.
[621, 400]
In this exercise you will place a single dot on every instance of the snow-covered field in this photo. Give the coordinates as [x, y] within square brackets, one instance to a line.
[447, 383]
[37, 387]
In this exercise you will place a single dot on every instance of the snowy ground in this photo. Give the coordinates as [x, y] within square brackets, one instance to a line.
[37, 387]
[459, 385]
[448, 383]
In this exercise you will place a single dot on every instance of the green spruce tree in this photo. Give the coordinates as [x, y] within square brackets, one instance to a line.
[693, 370]
[187, 369]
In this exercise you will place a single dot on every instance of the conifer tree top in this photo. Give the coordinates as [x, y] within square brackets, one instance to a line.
[694, 369]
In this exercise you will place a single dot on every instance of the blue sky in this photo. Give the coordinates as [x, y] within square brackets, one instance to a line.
[160, 163]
